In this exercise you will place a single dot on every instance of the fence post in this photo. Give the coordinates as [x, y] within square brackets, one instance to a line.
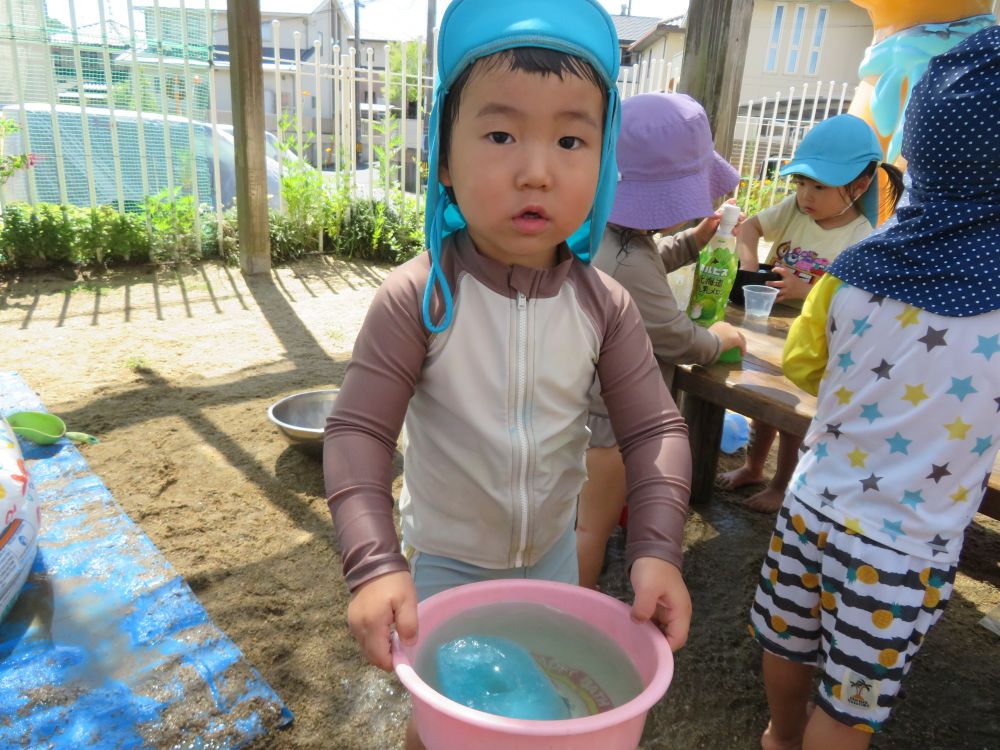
[84, 118]
[276, 36]
[109, 82]
[247, 82]
[214, 119]
[369, 54]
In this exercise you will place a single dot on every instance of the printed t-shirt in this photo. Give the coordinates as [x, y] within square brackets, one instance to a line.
[799, 243]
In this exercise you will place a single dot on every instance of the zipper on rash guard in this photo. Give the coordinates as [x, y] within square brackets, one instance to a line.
[522, 430]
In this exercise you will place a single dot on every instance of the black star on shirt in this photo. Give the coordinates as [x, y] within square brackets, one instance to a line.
[882, 371]
[938, 545]
[828, 497]
[933, 338]
[997, 399]
[877, 299]
[834, 429]
[870, 483]
[833, 325]
[938, 472]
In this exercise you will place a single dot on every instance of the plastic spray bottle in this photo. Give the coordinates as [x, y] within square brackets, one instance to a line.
[714, 277]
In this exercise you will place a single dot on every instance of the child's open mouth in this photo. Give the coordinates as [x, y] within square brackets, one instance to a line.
[531, 220]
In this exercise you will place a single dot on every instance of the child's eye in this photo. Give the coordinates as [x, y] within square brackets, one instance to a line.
[570, 142]
[499, 137]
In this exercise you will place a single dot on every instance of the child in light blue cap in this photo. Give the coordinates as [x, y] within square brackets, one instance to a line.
[835, 204]
[487, 345]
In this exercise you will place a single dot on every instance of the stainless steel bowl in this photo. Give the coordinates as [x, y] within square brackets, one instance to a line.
[301, 418]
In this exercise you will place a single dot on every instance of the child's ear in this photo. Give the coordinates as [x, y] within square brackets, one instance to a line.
[860, 186]
[444, 175]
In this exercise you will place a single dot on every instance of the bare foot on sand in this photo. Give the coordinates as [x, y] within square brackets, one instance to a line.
[768, 500]
[769, 742]
[740, 477]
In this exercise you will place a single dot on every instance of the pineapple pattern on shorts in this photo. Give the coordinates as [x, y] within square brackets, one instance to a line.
[856, 609]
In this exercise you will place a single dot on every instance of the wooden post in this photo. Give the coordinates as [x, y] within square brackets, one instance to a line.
[715, 50]
[247, 84]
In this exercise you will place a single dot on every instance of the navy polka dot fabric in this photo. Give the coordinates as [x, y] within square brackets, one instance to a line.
[942, 253]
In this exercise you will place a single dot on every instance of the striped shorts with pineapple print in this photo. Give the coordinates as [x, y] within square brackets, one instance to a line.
[856, 609]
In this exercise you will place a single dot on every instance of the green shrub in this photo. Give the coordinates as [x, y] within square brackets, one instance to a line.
[37, 238]
[107, 237]
[172, 220]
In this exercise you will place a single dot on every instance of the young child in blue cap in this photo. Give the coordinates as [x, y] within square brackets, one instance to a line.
[836, 203]
[898, 341]
[488, 343]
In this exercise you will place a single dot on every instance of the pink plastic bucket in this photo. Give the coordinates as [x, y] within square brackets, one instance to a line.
[444, 724]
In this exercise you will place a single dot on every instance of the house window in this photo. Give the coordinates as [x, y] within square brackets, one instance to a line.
[771, 61]
[795, 45]
[817, 42]
[266, 32]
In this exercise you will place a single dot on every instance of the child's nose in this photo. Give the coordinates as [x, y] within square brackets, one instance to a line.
[535, 170]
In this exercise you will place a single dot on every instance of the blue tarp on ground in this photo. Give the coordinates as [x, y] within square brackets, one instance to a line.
[107, 647]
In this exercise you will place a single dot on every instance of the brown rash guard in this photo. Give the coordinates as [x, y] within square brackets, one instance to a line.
[495, 410]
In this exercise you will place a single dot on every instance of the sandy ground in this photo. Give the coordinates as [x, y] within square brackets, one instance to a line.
[174, 371]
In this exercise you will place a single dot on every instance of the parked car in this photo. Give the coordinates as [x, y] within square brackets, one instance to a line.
[153, 151]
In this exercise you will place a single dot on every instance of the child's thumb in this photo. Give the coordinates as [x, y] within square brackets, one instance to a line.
[406, 620]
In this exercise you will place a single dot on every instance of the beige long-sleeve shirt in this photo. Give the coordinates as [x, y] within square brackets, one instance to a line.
[496, 410]
[642, 269]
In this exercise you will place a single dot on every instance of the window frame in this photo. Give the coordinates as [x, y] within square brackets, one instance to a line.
[816, 46]
[799, 22]
[776, 31]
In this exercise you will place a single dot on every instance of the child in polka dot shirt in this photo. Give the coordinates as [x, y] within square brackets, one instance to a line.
[900, 340]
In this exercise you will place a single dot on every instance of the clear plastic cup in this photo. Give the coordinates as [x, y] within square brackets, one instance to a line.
[758, 300]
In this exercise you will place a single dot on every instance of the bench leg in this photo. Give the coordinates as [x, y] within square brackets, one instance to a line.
[704, 421]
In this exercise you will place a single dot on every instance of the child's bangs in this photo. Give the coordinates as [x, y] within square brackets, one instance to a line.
[541, 61]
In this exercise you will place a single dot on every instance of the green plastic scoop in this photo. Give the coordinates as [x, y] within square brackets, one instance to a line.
[44, 428]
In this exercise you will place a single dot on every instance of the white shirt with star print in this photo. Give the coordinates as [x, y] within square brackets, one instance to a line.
[907, 421]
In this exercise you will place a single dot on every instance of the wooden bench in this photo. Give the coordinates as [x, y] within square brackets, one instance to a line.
[757, 389]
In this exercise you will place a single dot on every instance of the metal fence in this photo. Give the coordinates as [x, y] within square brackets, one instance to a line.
[120, 110]
[769, 129]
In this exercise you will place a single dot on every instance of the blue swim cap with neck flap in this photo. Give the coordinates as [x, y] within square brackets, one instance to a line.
[472, 29]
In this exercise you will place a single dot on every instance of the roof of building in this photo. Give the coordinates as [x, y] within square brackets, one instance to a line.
[91, 34]
[676, 24]
[631, 28]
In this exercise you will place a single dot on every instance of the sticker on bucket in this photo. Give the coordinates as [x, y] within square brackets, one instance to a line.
[19, 515]
[582, 694]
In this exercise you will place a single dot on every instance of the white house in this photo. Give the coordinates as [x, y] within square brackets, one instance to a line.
[805, 41]
[662, 44]
[790, 43]
[322, 21]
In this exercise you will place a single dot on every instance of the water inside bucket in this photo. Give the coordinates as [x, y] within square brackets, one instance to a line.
[591, 672]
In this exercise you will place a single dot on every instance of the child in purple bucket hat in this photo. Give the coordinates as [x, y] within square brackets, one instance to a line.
[669, 175]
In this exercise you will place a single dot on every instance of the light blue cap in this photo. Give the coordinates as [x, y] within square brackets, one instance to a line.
[835, 152]
[472, 29]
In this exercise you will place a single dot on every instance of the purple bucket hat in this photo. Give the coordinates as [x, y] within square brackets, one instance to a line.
[669, 170]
